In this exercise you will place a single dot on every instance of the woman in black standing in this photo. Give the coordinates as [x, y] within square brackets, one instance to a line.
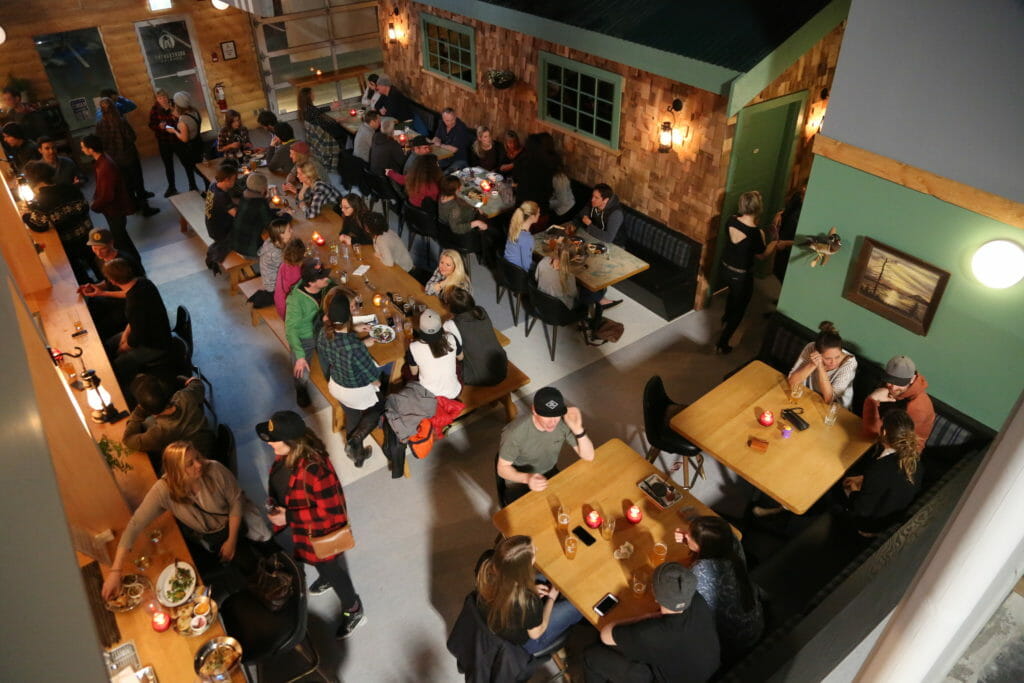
[188, 131]
[119, 142]
[745, 242]
[161, 115]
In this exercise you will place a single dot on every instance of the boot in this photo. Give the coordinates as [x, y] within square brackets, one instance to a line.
[354, 445]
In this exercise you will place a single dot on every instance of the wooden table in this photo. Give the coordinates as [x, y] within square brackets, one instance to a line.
[403, 135]
[600, 270]
[609, 481]
[491, 203]
[796, 471]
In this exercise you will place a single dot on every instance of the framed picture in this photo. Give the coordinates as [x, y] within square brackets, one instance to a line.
[895, 285]
[227, 50]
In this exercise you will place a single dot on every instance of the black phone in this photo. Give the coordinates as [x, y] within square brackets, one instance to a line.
[583, 535]
[606, 605]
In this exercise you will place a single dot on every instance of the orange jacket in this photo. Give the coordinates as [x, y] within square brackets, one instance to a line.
[915, 401]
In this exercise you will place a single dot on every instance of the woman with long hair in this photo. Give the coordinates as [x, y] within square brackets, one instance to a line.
[353, 221]
[233, 138]
[325, 135]
[723, 582]
[316, 194]
[826, 367]
[309, 501]
[423, 180]
[450, 273]
[535, 170]
[209, 505]
[514, 604]
[161, 117]
[485, 362]
[188, 131]
[555, 278]
[119, 142]
[883, 484]
[519, 247]
[289, 273]
[431, 357]
[513, 146]
[271, 255]
[487, 154]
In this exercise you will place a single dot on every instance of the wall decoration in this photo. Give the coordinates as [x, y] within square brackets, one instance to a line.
[895, 285]
[823, 246]
[228, 50]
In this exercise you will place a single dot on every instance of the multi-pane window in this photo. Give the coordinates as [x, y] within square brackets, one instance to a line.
[449, 49]
[581, 98]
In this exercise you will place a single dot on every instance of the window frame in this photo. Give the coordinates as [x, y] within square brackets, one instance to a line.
[461, 29]
[546, 59]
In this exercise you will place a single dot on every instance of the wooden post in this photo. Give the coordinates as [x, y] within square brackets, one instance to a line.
[16, 242]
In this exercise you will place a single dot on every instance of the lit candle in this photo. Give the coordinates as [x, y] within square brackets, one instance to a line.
[352, 112]
[593, 519]
[275, 200]
[787, 431]
[319, 72]
[634, 514]
[377, 299]
[401, 138]
[318, 238]
[767, 418]
[485, 185]
[161, 621]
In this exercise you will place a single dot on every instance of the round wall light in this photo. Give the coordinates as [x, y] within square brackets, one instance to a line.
[3, 35]
[998, 264]
[219, 4]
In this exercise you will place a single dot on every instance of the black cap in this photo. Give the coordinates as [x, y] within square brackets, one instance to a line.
[548, 402]
[339, 310]
[284, 425]
[14, 130]
[420, 141]
[313, 270]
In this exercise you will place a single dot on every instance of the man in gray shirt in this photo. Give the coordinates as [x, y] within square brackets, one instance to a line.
[364, 135]
[530, 445]
[161, 418]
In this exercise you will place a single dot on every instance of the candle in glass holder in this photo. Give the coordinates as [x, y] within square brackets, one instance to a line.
[485, 185]
[786, 430]
[318, 238]
[319, 72]
[634, 514]
[352, 112]
[377, 299]
[766, 418]
[593, 519]
[161, 621]
[402, 138]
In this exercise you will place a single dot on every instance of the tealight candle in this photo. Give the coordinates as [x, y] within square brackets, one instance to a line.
[275, 200]
[787, 431]
[485, 185]
[377, 299]
[352, 112]
[318, 238]
[634, 514]
[767, 418]
[319, 72]
[402, 138]
[161, 621]
[593, 519]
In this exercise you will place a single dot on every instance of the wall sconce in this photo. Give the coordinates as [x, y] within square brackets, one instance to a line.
[665, 137]
[219, 4]
[99, 399]
[668, 133]
[159, 5]
[998, 264]
[816, 115]
[392, 32]
[3, 35]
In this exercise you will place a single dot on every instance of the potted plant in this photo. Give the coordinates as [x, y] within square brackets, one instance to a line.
[500, 78]
[115, 454]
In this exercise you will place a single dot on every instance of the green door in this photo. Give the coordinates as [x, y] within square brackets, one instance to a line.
[762, 156]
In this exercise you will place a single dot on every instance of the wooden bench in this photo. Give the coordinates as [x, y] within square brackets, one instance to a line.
[191, 208]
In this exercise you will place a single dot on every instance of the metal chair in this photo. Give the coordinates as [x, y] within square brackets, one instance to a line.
[514, 281]
[550, 311]
[658, 409]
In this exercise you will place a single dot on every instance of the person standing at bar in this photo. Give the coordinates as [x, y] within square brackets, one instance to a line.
[67, 171]
[111, 196]
[64, 208]
[119, 142]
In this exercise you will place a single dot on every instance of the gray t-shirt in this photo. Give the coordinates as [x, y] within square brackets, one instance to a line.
[531, 450]
[392, 250]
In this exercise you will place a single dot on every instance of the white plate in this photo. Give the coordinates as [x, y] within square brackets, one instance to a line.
[382, 334]
[164, 580]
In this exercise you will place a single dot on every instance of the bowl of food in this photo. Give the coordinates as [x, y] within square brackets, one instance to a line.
[133, 589]
[176, 584]
[382, 334]
[217, 658]
[597, 248]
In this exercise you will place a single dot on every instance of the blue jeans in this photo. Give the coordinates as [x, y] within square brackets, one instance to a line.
[563, 615]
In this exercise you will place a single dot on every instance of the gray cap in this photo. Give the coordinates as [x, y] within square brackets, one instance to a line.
[256, 182]
[430, 323]
[383, 80]
[674, 586]
[900, 370]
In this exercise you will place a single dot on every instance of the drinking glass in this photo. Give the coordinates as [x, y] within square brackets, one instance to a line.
[155, 537]
[638, 581]
[563, 519]
[659, 551]
[571, 546]
[608, 528]
[69, 368]
[142, 562]
[832, 414]
[796, 392]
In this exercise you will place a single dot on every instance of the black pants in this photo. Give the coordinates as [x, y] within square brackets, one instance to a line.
[603, 664]
[80, 258]
[335, 572]
[128, 364]
[741, 288]
[136, 184]
[167, 149]
[119, 229]
[188, 159]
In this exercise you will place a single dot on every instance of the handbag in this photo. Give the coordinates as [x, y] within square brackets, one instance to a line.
[607, 331]
[272, 584]
[333, 543]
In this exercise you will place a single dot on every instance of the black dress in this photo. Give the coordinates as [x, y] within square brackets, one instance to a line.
[737, 274]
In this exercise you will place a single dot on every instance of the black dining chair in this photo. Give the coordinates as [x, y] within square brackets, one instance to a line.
[467, 244]
[514, 281]
[353, 172]
[225, 450]
[422, 222]
[381, 190]
[551, 312]
[183, 329]
[658, 410]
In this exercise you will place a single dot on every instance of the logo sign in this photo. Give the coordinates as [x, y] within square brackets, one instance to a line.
[551, 405]
[166, 41]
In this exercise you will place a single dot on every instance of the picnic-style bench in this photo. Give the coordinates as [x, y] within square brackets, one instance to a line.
[191, 210]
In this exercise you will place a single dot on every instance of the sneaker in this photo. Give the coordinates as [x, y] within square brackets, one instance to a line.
[302, 397]
[760, 511]
[319, 587]
[350, 621]
[171, 191]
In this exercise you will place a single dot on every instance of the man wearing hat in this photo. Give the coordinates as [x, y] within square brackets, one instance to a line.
[903, 388]
[674, 645]
[530, 445]
[253, 216]
[419, 146]
[105, 300]
[302, 319]
[17, 143]
[393, 102]
[64, 208]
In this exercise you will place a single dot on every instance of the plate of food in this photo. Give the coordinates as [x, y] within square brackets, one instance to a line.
[495, 177]
[189, 622]
[176, 584]
[597, 248]
[133, 588]
[257, 156]
[217, 657]
[382, 334]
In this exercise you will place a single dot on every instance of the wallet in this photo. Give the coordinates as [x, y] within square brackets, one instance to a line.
[792, 416]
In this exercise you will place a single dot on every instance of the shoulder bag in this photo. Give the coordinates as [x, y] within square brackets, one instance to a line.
[333, 542]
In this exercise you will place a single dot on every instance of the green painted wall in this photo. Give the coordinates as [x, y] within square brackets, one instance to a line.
[973, 356]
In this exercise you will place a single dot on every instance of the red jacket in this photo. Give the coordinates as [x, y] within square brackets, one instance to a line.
[917, 404]
[314, 506]
[111, 196]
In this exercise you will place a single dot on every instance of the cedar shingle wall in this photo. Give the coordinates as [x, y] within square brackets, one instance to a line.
[116, 19]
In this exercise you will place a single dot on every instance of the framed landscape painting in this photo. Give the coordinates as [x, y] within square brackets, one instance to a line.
[895, 285]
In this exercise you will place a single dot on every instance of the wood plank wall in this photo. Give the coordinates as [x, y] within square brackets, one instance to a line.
[683, 189]
[23, 19]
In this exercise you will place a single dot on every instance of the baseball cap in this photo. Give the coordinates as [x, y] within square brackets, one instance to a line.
[302, 147]
[420, 141]
[674, 586]
[548, 402]
[284, 425]
[900, 370]
[100, 237]
[339, 310]
[312, 270]
[430, 323]
[383, 80]
[14, 130]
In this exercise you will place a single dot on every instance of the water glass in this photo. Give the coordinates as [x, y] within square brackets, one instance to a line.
[638, 582]
[832, 414]
[571, 546]
[563, 519]
[796, 392]
[608, 528]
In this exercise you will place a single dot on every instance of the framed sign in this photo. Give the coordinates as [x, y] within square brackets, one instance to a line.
[895, 285]
[227, 50]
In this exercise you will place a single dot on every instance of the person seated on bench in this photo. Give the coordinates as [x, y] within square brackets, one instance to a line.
[419, 146]
[279, 155]
[316, 194]
[254, 215]
[146, 337]
[453, 135]
[233, 138]
[519, 247]
[431, 357]
[422, 182]
[513, 146]
[485, 362]
[879, 487]
[353, 214]
[453, 210]
[603, 217]
[288, 274]
[487, 154]
[221, 210]
[387, 244]
[300, 154]
[395, 104]
[826, 367]
[104, 299]
[371, 96]
[450, 273]
[302, 319]
[163, 416]
[385, 150]
[903, 388]
[271, 255]
[364, 135]
[555, 278]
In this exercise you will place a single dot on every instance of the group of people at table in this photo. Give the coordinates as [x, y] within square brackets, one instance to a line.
[709, 613]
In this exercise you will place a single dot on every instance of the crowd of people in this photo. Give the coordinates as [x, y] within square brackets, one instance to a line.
[708, 615]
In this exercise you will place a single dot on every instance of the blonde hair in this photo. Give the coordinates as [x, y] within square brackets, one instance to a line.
[898, 433]
[458, 278]
[565, 276]
[477, 147]
[526, 210]
[174, 458]
[749, 204]
[160, 91]
[307, 447]
[308, 169]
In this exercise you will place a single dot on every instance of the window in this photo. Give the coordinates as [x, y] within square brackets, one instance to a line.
[76, 64]
[449, 50]
[581, 98]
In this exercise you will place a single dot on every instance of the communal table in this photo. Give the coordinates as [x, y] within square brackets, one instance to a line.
[795, 471]
[609, 483]
[598, 271]
[350, 122]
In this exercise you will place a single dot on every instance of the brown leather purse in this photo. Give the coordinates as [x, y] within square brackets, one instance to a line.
[333, 543]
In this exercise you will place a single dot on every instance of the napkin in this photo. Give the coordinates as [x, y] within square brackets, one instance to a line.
[360, 270]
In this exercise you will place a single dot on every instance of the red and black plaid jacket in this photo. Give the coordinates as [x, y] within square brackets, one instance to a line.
[314, 505]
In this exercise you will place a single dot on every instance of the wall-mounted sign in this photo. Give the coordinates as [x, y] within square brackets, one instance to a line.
[80, 108]
[167, 48]
[227, 49]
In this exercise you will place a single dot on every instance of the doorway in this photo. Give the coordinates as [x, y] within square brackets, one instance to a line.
[168, 46]
[762, 156]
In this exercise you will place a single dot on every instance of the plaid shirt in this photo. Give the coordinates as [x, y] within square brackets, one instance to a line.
[323, 146]
[319, 196]
[314, 505]
[347, 360]
[841, 378]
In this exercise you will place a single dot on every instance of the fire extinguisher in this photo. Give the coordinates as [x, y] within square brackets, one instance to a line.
[221, 97]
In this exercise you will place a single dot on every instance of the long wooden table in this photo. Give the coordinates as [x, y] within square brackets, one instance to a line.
[796, 471]
[608, 482]
[599, 271]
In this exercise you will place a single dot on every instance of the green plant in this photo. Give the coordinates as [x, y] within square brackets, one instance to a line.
[115, 454]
